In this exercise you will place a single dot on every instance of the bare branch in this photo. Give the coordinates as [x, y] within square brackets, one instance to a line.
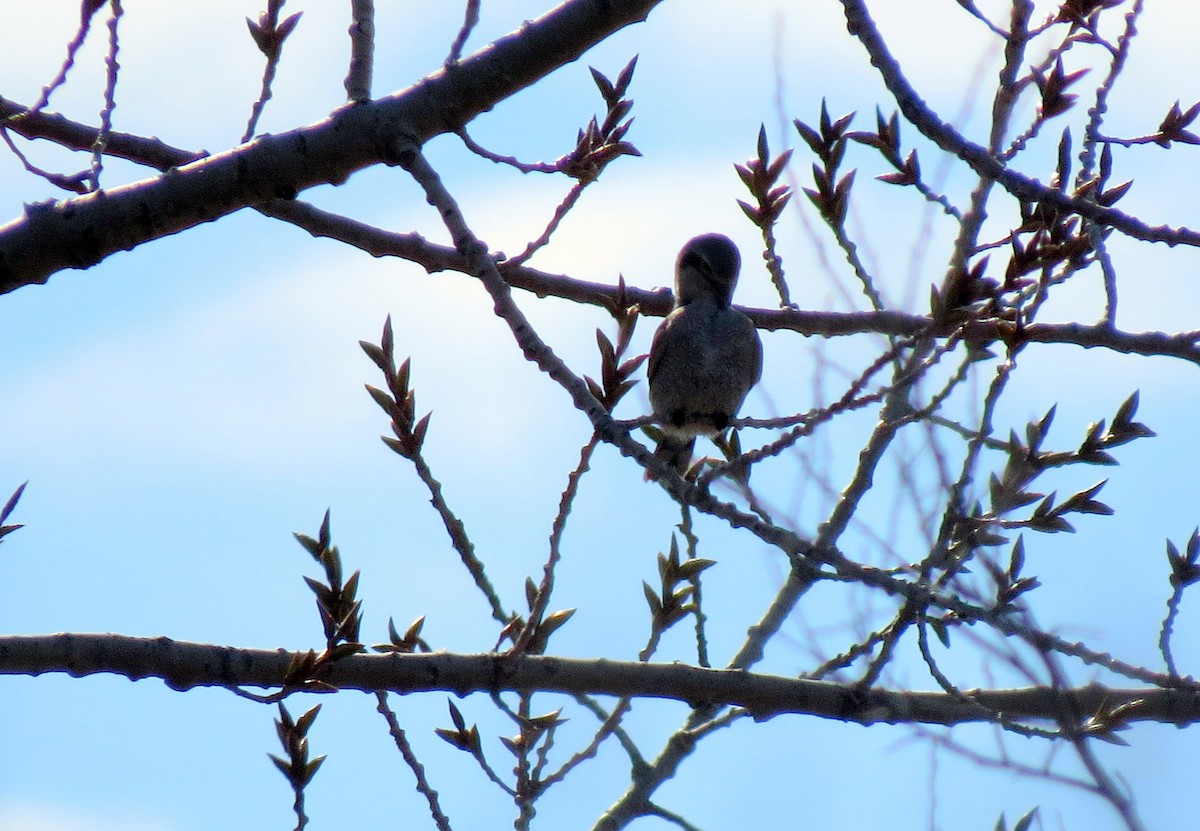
[78, 233]
[980, 160]
[362, 51]
[182, 665]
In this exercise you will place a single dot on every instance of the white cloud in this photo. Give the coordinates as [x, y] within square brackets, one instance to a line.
[255, 373]
[31, 816]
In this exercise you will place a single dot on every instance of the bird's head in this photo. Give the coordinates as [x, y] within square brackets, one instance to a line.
[707, 268]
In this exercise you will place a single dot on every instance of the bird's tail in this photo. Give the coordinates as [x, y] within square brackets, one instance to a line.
[675, 452]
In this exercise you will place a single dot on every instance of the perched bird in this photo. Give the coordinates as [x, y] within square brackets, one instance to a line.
[706, 355]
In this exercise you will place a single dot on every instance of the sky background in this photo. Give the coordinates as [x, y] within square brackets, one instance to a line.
[180, 410]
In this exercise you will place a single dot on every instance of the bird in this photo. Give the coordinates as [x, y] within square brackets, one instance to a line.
[705, 356]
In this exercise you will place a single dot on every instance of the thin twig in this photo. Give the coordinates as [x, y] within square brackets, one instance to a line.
[88, 11]
[546, 587]
[362, 50]
[978, 158]
[470, 21]
[112, 70]
[414, 764]
[560, 214]
[693, 542]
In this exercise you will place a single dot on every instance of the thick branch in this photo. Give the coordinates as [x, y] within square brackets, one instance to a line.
[182, 666]
[80, 232]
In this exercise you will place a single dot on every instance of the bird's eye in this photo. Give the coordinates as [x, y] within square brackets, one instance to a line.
[693, 260]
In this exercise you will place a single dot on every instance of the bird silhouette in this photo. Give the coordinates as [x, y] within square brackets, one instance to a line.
[706, 355]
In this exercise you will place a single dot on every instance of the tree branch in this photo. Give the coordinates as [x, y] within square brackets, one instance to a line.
[183, 666]
[432, 257]
[82, 231]
[918, 113]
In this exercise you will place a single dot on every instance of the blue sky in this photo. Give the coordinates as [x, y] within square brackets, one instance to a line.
[181, 409]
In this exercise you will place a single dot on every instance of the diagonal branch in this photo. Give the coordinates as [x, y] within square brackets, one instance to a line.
[861, 26]
[80, 232]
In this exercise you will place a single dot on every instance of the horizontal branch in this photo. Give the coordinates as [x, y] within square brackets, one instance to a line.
[81, 231]
[658, 303]
[183, 666]
[433, 257]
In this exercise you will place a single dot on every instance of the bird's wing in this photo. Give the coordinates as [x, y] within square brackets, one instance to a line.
[656, 349]
[758, 353]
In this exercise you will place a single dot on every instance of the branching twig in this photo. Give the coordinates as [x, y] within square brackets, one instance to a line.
[112, 69]
[399, 402]
[269, 35]
[978, 158]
